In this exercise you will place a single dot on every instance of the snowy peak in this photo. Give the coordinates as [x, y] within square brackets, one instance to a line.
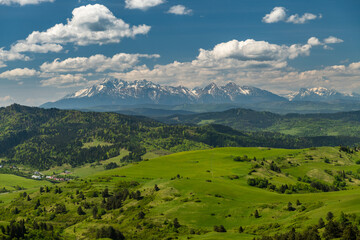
[321, 94]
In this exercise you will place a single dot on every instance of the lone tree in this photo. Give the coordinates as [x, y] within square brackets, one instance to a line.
[241, 229]
[156, 188]
[256, 214]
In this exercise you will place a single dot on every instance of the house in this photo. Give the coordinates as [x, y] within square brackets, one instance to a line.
[36, 177]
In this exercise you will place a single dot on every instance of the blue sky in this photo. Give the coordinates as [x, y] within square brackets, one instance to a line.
[50, 48]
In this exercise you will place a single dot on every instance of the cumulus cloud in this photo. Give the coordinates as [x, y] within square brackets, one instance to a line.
[90, 24]
[255, 50]
[10, 56]
[278, 14]
[23, 2]
[332, 40]
[99, 63]
[180, 10]
[19, 73]
[142, 4]
[313, 41]
[23, 46]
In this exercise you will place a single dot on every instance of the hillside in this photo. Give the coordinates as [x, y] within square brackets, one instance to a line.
[43, 138]
[324, 124]
[185, 195]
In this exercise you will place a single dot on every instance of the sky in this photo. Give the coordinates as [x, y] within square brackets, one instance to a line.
[51, 48]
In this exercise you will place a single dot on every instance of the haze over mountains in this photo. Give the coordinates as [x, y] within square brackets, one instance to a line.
[113, 92]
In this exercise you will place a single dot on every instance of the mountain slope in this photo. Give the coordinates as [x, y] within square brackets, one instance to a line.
[331, 124]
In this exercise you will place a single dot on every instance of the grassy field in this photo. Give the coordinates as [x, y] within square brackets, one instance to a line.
[197, 188]
[195, 201]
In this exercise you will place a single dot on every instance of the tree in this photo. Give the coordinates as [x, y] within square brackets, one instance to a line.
[321, 223]
[241, 229]
[156, 188]
[80, 211]
[176, 223]
[298, 203]
[329, 216]
[95, 212]
[256, 214]
[37, 204]
[105, 193]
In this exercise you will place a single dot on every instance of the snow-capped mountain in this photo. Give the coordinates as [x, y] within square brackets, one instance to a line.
[321, 94]
[119, 92]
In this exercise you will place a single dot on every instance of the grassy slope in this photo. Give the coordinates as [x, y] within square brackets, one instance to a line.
[191, 198]
[239, 199]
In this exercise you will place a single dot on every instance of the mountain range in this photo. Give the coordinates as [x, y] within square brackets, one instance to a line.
[120, 92]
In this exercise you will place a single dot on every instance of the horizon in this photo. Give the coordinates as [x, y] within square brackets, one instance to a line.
[55, 48]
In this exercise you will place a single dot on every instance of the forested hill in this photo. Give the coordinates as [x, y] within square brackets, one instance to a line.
[322, 124]
[42, 138]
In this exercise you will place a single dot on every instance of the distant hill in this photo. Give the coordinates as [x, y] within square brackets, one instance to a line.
[43, 138]
[326, 124]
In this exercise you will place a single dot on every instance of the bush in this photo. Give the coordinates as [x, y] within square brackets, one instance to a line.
[220, 228]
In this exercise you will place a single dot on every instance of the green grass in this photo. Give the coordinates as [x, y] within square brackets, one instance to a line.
[238, 199]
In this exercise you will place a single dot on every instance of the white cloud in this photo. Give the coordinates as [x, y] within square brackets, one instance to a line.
[90, 24]
[313, 41]
[10, 56]
[23, 46]
[99, 63]
[332, 40]
[65, 80]
[303, 19]
[278, 14]
[23, 2]
[255, 50]
[142, 4]
[180, 10]
[18, 73]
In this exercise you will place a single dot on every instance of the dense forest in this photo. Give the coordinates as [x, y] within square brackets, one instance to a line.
[43, 138]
